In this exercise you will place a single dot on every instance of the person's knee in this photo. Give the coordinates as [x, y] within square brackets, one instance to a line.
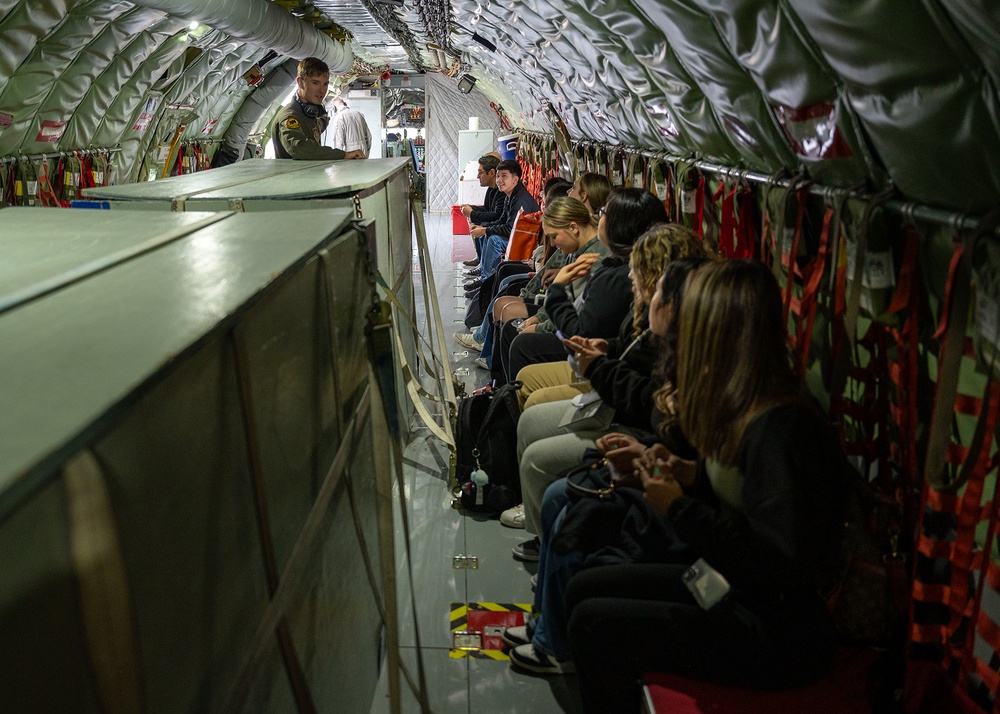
[533, 458]
[499, 304]
[547, 395]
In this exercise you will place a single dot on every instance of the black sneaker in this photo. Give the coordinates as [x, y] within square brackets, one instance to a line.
[474, 273]
[474, 263]
[527, 550]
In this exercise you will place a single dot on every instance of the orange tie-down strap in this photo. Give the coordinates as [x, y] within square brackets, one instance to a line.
[967, 563]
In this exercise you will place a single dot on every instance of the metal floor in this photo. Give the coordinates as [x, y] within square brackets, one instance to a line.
[437, 533]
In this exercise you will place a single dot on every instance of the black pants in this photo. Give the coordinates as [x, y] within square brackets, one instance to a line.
[517, 350]
[626, 620]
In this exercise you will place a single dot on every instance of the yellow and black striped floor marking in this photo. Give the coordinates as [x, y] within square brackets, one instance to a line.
[482, 618]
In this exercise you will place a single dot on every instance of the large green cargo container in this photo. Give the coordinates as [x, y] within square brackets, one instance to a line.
[174, 535]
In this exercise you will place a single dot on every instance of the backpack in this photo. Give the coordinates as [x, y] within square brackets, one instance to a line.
[486, 444]
[524, 236]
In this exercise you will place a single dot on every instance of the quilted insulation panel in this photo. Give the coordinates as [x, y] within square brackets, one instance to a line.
[448, 112]
[886, 91]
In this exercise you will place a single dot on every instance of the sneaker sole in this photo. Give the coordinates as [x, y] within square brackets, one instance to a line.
[559, 668]
[524, 557]
[473, 346]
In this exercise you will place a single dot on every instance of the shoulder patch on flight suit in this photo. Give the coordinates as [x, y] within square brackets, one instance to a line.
[291, 123]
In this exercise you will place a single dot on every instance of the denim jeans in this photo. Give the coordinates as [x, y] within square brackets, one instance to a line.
[484, 333]
[493, 249]
[548, 630]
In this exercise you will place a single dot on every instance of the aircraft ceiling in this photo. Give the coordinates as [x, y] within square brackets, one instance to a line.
[877, 92]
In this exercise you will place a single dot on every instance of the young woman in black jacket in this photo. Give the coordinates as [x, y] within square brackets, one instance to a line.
[607, 297]
[764, 509]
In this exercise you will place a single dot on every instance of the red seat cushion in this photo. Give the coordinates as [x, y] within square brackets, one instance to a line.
[845, 689]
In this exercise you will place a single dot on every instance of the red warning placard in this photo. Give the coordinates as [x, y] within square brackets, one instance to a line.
[50, 131]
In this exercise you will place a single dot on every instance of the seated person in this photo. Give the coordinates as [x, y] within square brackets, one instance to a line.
[600, 361]
[504, 306]
[628, 214]
[492, 206]
[497, 233]
[593, 190]
[769, 518]
[546, 445]
[547, 631]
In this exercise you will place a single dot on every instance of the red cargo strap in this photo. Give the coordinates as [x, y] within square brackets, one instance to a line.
[699, 207]
[812, 275]
[746, 240]
[979, 464]
[953, 268]
[47, 195]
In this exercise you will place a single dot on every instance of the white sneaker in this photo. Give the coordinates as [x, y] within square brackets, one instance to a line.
[513, 517]
[516, 636]
[481, 363]
[468, 341]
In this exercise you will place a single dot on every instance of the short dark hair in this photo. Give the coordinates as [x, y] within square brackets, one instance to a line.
[510, 165]
[552, 181]
[556, 188]
[628, 213]
[489, 163]
[311, 67]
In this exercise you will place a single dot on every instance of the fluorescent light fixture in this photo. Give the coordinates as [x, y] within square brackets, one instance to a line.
[466, 83]
[193, 25]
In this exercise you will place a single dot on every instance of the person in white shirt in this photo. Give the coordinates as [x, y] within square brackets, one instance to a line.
[350, 130]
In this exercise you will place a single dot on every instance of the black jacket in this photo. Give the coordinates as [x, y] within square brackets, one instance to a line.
[491, 209]
[794, 493]
[607, 298]
[626, 383]
[519, 198]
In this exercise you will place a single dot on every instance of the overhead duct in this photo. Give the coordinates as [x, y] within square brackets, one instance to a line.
[260, 23]
[275, 85]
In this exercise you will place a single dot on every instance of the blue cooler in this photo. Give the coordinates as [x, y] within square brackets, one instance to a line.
[507, 145]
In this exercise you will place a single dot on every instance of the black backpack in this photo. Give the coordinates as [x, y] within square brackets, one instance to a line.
[486, 439]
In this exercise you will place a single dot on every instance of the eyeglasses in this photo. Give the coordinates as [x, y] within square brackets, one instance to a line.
[600, 212]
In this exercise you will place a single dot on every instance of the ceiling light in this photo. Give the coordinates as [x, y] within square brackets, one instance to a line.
[193, 25]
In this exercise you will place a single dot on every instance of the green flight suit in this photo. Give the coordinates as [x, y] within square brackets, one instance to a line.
[297, 136]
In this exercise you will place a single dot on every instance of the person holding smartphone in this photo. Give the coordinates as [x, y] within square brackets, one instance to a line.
[764, 507]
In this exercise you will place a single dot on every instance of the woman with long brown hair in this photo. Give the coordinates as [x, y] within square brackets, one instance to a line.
[763, 508]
